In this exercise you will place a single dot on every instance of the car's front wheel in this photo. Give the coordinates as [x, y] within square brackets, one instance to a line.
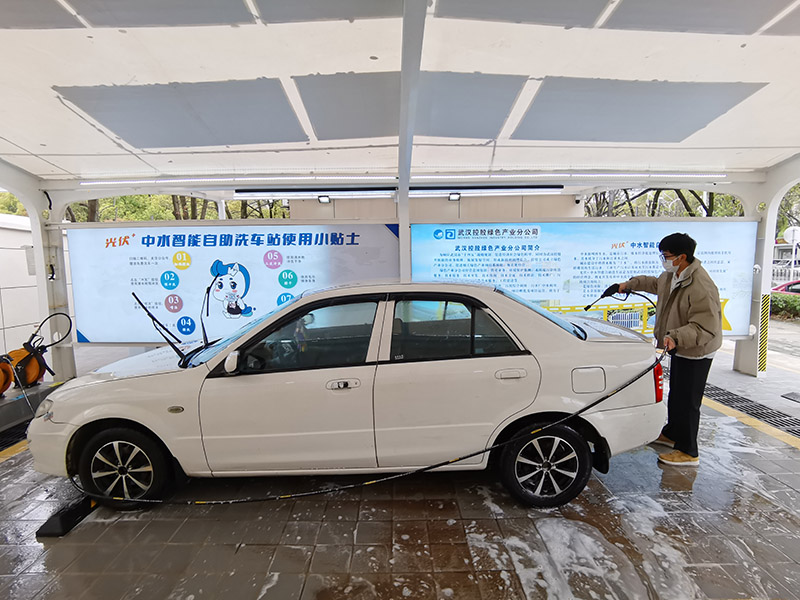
[121, 465]
[546, 469]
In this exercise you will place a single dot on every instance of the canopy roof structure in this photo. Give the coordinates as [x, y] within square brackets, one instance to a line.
[242, 93]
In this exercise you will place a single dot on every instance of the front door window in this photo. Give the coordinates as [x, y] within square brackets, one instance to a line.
[330, 336]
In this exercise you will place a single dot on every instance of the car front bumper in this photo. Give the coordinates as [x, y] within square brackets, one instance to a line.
[628, 428]
[48, 443]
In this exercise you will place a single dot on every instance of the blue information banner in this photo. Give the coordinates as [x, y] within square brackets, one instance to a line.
[567, 265]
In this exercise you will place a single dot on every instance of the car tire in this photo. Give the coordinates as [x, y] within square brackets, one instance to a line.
[546, 469]
[123, 463]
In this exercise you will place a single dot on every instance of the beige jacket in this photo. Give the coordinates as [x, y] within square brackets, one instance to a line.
[691, 314]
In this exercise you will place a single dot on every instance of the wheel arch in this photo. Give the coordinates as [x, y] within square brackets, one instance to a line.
[601, 453]
[89, 430]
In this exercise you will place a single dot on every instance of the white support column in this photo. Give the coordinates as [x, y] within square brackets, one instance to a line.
[48, 252]
[413, 33]
[750, 356]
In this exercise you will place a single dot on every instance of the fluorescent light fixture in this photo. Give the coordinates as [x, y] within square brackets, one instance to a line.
[324, 199]
[391, 179]
[454, 197]
[563, 175]
[311, 194]
[310, 178]
[422, 193]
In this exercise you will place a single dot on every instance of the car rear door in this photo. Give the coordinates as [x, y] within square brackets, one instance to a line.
[302, 398]
[449, 373]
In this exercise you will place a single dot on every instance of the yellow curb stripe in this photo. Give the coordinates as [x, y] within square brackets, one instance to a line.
[786, 438]
[12, 451]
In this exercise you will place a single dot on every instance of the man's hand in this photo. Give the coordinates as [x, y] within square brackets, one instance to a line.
[669, 344]
[623, 286]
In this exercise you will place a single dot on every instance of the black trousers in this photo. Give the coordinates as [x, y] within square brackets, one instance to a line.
[687, 382]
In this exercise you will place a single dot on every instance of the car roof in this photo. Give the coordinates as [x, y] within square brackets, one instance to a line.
[388, 287]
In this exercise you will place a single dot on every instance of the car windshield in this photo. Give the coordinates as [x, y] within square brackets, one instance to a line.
[212, 350]
[553, 318]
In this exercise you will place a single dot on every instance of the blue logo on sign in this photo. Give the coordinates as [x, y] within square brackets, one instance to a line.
[283, 298]
[450, 234]
[186, 325]
[169, 279]
[438, 234]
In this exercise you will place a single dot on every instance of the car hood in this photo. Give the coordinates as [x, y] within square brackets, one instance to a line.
[161, 360]
[598, 330]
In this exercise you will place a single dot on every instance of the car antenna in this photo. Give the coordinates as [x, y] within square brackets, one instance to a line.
[161, 329]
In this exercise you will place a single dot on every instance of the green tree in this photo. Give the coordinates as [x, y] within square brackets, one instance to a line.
[142, 207]
[788, 211]
[9, 205]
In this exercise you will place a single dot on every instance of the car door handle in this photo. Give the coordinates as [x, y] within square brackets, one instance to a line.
[511, 374]
[343, 384]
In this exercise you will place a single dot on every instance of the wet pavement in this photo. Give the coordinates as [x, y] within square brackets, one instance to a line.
[728, 529]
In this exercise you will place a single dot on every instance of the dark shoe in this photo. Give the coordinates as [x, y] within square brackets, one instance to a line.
[663, 441]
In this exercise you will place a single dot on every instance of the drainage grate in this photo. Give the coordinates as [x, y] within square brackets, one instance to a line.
[763, 413]
[793, 396]
[12, 435]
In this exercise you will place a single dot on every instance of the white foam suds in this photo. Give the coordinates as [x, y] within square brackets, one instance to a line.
[271, 582]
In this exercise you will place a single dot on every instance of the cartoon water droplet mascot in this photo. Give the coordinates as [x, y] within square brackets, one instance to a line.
[231, 284]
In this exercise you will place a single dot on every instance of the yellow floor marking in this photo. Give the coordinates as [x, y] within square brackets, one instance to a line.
[12, 451]
[782, 436]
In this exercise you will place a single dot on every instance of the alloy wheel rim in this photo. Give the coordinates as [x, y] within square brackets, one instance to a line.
[547, 465]
[122, 469]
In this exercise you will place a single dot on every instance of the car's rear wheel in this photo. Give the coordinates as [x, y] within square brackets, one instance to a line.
[546, 469]
[120, 466]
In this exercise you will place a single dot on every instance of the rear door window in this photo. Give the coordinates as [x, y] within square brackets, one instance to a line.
[445, 329]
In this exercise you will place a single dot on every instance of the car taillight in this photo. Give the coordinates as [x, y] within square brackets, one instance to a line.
[658, 373]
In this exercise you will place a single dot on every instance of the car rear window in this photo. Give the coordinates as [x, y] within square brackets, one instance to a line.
[553, 318]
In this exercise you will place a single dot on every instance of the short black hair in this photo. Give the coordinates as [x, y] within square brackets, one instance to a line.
[678, 243]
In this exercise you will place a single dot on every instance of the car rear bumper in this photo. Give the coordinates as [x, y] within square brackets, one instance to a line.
[48, 442]
[631, 427]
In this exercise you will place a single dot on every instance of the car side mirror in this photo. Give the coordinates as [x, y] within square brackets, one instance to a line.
[232, 362]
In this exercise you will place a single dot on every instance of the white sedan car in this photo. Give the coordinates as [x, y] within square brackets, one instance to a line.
[367, 379]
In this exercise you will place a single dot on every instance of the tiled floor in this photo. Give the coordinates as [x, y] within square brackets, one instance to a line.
[729, 529]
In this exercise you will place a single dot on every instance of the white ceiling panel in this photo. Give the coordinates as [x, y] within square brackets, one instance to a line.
[171, 87]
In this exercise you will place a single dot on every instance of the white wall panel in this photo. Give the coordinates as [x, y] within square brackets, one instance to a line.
[550, 207]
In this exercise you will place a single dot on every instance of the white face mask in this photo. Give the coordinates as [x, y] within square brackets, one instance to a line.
[668, 266]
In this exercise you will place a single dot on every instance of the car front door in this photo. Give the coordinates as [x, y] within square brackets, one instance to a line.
[302, 395]
[448, 374]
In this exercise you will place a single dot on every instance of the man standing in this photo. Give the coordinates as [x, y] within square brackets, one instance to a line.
[688, 322]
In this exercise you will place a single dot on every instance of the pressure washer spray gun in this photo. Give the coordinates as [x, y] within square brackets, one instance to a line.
[614, 289]
[611, 292]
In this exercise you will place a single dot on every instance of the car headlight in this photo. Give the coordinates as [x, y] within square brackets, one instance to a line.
[43, 408]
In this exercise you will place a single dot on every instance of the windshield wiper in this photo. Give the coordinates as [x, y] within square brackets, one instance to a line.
[163, 331]
[577, 328]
